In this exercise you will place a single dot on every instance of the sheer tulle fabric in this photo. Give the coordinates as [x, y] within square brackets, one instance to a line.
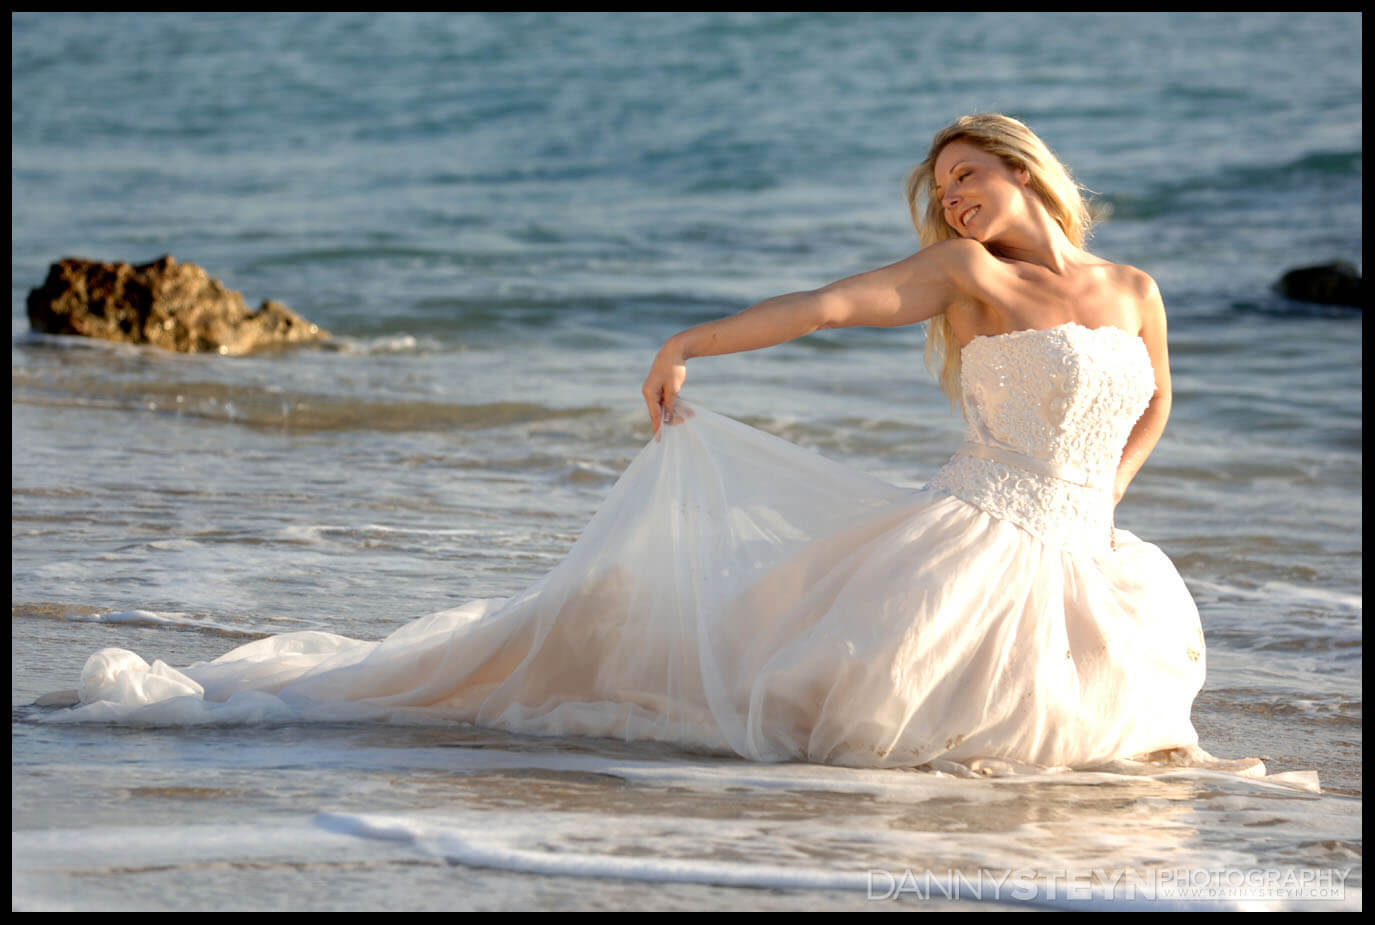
[738, 594]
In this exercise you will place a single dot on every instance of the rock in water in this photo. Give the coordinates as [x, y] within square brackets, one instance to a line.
[177, 306]
[1337, 283]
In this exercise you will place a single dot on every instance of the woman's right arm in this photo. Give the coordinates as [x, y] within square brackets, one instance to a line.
[911, 290]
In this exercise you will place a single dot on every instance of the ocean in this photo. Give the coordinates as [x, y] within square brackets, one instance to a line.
[501, 217]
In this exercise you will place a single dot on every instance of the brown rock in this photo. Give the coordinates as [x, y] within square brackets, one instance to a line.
[177, 306]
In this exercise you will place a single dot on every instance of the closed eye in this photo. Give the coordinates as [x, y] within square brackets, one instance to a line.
[940, 192]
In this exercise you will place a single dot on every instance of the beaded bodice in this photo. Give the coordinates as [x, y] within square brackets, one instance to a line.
[1049, 413]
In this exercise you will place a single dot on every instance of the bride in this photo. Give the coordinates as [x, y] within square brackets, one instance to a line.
[739, 594]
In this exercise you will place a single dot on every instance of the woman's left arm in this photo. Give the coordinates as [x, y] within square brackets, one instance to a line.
[1151, 425]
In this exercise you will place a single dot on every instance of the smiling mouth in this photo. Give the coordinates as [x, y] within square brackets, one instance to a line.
[968, 216]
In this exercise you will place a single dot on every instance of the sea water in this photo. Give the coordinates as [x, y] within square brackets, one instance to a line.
[501, 217]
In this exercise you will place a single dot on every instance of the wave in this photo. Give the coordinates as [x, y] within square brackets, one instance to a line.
[264, 408]
[1189, 195]
[164, 619]
[1335, 603]
[544, 843]
[758, 849]
[436, 324]
[385, 344]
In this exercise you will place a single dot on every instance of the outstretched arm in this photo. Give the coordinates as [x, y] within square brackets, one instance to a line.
[911, 290]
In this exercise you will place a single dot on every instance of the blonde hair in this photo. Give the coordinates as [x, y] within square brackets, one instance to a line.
[1019, 147]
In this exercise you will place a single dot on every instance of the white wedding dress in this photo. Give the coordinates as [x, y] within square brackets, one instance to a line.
[737, 593]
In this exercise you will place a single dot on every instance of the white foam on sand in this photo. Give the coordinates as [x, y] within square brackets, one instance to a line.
[983, 867]
[1020, 867]
[910, 836]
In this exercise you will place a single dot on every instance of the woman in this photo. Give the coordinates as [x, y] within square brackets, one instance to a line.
[738, 594]
[1003, 226]
[1003, 231]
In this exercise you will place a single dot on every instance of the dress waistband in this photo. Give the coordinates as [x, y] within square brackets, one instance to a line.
[1076, 475]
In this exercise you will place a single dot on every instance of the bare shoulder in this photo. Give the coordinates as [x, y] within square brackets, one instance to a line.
[963, 253]
[1139, 282]
[975, 272]
[959, 248]
[1140, 292]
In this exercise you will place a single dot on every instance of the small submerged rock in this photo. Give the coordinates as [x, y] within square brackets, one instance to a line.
[176, 306]
[1337, 283]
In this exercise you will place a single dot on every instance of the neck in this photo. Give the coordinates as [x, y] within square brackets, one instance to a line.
[1041, 241]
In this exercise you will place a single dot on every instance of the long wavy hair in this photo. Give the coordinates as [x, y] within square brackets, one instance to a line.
[1018, 147]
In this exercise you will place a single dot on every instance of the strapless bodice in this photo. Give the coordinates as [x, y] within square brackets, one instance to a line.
[1048, 414]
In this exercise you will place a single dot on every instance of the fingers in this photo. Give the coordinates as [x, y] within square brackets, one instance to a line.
[660, 390]
[678, 415]
[653, 396]
[665, 411]
[656, 414]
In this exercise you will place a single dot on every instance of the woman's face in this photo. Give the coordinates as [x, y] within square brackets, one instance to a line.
[979, 194]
